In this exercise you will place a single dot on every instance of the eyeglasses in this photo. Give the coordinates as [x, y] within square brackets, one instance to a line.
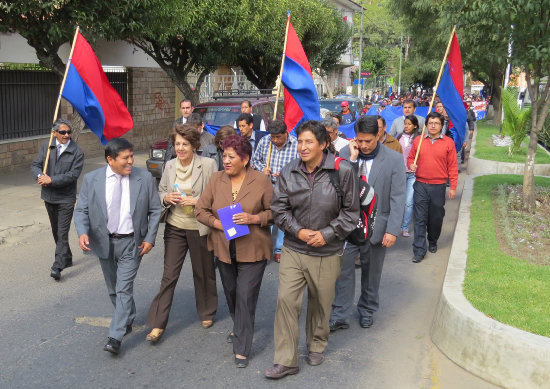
[62, 132]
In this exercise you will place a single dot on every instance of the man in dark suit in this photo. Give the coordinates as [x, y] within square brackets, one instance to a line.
[186, 109]
[117, 218]
[246, 127]
[258, 121]
[385, 172]
[59, 189]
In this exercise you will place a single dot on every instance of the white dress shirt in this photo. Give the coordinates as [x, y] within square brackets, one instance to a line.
[125, 225]
[61, 146]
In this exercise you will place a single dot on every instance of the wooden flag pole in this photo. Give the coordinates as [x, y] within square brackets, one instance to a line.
[435, 91]
[59, 99]
[280, 81]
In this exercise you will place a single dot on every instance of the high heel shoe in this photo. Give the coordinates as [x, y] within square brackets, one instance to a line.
[207, 323]
[154, 335]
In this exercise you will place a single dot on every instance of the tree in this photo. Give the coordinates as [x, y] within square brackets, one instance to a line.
[526, 23]
[45, 26]
[319, 27]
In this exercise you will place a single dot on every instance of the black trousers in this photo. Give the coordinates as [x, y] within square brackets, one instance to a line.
[429, 211]
[241, 284]
[60, 220]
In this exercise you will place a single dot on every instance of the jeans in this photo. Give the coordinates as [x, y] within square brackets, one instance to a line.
[408, 202]
[277, 236]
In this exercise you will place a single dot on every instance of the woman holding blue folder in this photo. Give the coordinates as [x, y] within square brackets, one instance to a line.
[182, 182]
[242, 260]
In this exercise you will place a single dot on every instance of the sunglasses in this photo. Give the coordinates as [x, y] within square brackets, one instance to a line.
[68, 132]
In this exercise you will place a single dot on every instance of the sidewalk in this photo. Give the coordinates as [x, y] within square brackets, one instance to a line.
[19, 187]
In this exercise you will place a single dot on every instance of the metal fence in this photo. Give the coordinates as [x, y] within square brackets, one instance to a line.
[28, 98]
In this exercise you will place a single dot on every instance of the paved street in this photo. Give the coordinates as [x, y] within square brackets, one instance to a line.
[52, 333]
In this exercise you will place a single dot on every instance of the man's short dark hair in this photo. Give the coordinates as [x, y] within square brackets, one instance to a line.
[336, 116]
[276, 127]
[195, 118]
[367, 124]
[410, 101]
[246, 117]
[60, 122]
[115, 146]
[185, 100]
[247, 102]
[436, 115]
[382, 119]
[319, 131]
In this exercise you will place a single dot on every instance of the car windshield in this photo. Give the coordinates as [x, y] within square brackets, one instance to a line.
[219, 116]
[335, 105]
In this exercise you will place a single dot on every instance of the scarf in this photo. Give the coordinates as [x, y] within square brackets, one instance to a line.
[367, 157]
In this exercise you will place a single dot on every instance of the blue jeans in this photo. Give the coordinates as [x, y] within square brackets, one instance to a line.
[277, 237]
[408, 202]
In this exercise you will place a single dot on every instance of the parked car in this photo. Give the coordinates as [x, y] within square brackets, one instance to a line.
[222, 110]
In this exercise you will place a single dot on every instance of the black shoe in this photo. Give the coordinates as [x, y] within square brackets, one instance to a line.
[241, 362]
[128, 329]
[365, 321]
[55, 274]
[432, 248]
[418, 259]
[230, 338]
[337, 325]
[113, 346]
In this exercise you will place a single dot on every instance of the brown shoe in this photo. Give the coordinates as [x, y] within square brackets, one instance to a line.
[207, 323]
[315, 359]
[154, 335]
[279, 371]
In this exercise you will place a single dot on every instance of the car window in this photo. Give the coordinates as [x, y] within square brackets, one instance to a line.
[219, 116]
[268, 111]
[257, 110]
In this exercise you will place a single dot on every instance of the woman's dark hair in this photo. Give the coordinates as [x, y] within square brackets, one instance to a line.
[223, 133]
[367, 124]
[319, 131]
[240, 144]
[414, 121]
[189, 133]
[115, 146]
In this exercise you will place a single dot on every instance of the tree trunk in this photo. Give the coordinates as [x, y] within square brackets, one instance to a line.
[496, 102]
[324, 79]
[540, 103]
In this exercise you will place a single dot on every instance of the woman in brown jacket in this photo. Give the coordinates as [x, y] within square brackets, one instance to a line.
[242, 260]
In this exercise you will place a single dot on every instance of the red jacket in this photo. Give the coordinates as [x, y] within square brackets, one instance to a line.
[436, 162]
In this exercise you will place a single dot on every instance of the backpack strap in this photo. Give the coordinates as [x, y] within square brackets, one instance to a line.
[334, 177]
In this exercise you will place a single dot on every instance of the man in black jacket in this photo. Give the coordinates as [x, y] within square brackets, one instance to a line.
[59, 189]
[316, 219]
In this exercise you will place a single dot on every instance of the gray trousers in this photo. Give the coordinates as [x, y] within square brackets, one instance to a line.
[60, 220]
[372, 261]
[119, 271]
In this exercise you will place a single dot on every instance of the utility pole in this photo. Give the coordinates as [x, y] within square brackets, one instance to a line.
[400, 61]
[359, 89]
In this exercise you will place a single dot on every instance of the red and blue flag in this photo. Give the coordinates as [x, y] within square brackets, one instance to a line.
[90, 93]
[451, 92]
[301, 100]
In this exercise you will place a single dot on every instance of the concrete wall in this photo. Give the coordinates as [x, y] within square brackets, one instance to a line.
[151, 96]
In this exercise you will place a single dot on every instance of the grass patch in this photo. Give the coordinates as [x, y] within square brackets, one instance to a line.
[509, 289]
[486, 150]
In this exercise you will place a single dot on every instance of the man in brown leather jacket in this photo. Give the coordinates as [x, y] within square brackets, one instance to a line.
[316, 221]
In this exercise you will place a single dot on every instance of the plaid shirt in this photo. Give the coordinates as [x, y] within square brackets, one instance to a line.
[279, 158]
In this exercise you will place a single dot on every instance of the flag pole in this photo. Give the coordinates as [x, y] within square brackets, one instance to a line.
[59, 98]
[280, 81]
[435, 90]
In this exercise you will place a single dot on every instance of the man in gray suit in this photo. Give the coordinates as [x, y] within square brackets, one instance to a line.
[117, 218]
[409, 108]
[385, 172]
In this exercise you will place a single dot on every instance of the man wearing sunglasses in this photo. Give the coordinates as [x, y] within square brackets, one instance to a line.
[59, 189]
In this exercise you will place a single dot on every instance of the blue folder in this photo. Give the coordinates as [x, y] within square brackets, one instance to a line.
[231, 229]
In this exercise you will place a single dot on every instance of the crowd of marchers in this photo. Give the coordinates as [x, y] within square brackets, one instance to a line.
[298, 197]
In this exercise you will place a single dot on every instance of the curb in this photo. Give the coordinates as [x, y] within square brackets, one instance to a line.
[496, 352]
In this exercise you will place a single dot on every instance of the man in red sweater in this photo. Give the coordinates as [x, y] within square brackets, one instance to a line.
[435, 164]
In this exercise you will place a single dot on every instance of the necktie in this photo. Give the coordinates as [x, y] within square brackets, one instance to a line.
[114, 209]
[364, 168]
[58, 151]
